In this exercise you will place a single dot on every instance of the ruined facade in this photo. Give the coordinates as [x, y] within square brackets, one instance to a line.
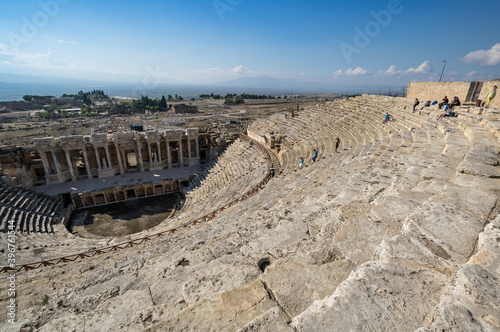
[183, 108]
[72, 158]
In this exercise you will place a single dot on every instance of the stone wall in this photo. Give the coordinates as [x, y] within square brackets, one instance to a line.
[437, 90]
[487, 86]
[183, 108]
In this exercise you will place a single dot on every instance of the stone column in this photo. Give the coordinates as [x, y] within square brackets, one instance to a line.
[139, 156]
[181, 157]
[169, 157]
[55, 158]
[98, 157]
[150, 155]
[197, 149]
[46, 166]
[70, 165]
[189, 149]
[108, 157]
[159, 151]
[120, 165]
[86, 161]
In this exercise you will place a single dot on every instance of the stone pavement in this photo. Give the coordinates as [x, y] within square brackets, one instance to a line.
[118, 180]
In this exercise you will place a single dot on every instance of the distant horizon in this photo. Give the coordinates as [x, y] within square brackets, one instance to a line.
[208, 42]
[33, 85]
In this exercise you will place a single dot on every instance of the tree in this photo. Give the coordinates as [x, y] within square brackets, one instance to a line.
[170, 98]
[163, 103]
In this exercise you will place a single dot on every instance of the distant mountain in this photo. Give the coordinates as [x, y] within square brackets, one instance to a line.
[273, 84]
[288, 86]
[14, 87]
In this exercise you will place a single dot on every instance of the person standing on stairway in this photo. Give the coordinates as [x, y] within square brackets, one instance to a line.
[490, 96]
[337, 143]
[315, 155]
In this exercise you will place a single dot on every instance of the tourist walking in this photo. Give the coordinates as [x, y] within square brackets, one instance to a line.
[416, 102]
[337, 143]
[315, 155]
[301, 162]
[491, 95]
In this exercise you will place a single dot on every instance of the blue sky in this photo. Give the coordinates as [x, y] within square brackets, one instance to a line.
[203, 41]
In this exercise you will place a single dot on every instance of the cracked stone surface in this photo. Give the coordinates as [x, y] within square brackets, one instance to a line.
[378, 237]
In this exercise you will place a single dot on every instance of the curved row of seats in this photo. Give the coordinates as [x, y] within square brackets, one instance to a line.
[30, 212]
[238, 169]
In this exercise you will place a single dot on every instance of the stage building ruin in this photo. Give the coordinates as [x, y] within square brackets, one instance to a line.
[100, 155]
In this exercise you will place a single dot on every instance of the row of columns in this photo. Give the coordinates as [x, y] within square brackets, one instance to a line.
[121, 159]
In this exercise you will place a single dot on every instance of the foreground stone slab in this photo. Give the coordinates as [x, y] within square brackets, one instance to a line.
[231, 311]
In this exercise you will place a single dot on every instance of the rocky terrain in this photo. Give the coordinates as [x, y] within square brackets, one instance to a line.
[399, 231]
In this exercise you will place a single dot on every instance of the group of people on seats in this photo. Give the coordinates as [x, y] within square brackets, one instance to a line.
[448, 111]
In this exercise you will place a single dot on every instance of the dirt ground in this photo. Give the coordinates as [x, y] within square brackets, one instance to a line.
[19, 129]
[121, 219]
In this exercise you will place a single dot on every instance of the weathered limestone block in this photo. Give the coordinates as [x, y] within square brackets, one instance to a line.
[296, 284]
[472, 301]
[475, 201]
[435, 235]
[229, 312]
[272, 320]
[376, 297]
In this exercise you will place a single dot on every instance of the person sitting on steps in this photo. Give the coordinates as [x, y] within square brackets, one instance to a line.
[415, 104]
[447, 113]
[456, 102]
[445, 102]
[387, 117]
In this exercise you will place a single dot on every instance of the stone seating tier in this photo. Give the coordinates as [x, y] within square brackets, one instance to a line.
[398, 231]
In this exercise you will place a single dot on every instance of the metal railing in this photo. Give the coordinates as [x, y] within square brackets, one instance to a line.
[135, 242]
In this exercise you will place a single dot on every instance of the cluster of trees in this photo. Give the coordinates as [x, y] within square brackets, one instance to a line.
[233, 99]
[88, 97]
[141, 105]
[36, 98]
[175, 98]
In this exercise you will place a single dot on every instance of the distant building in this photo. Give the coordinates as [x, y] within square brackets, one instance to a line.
[183, 108]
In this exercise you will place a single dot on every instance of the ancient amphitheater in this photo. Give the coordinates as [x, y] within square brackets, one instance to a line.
[398, 231]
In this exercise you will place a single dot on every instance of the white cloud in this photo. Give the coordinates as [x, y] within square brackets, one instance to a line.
[238, 71]
[424, 69]
[476, 76]
[357, 72]
[487, 58]
[60, 41]
[392, 71]
[30, 59]
[337, 73]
